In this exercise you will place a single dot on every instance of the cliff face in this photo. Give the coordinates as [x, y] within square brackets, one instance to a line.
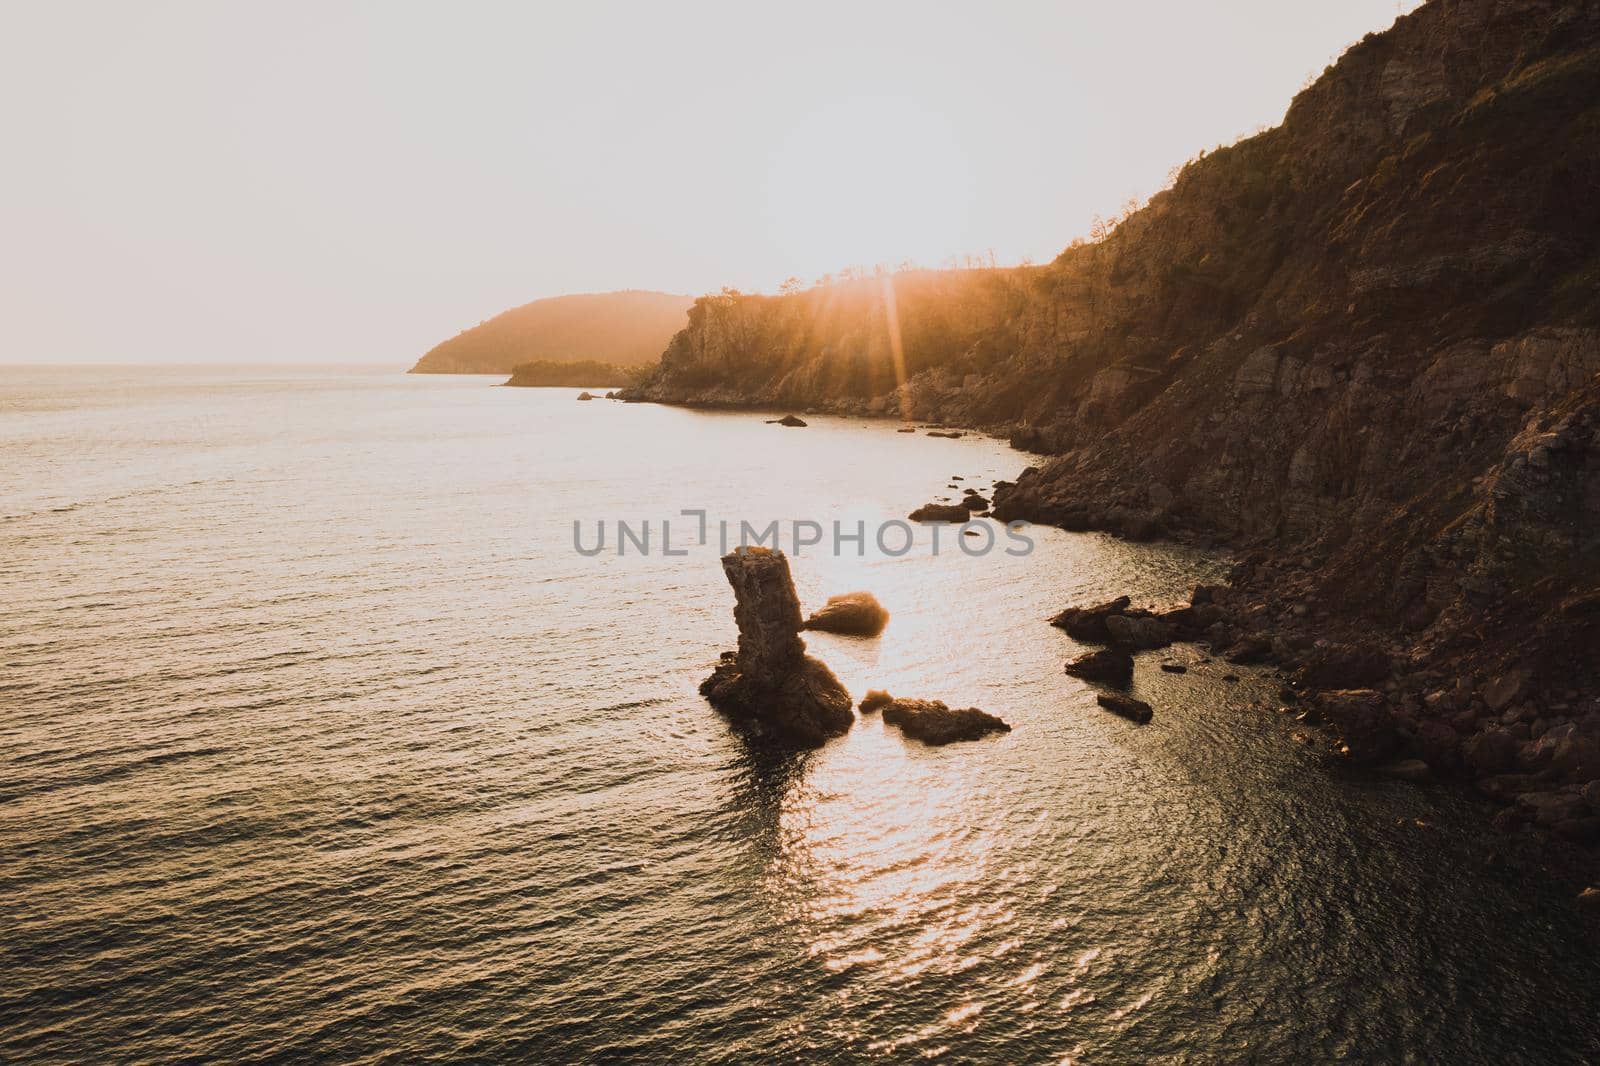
[1366, 341]
[627, 328]
[844, 346]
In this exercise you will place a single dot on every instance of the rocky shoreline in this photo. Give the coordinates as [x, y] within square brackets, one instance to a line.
[1360, 350]
[1384, 702]
[1531, 748]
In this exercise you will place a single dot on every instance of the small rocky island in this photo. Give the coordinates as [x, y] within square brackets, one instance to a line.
[770, 683]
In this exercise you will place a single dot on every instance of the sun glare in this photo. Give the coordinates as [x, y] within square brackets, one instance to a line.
[880, 181]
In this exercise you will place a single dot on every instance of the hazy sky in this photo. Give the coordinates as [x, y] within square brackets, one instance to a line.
[214, 181]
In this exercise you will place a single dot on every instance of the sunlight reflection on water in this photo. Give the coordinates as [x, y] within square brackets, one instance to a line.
[323, 743]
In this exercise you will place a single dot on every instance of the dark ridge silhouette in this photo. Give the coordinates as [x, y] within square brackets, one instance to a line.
[548, 373]
[627, 328]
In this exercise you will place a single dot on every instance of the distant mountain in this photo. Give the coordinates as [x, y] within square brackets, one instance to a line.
[627, 328]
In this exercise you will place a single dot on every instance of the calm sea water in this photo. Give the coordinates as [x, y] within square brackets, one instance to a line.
[321, 742]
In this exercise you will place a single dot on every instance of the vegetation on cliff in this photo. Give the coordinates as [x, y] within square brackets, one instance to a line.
[547, 373]
[627, 328]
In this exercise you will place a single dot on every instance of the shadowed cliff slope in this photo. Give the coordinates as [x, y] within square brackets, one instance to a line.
[1366, 341]
[627, 328]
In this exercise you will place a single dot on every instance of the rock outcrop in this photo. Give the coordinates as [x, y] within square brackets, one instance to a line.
[941, 512]
[1133, 710]
[1363, 719]
[875, 700]
[933, 723]
[1088, 624]
[1112, 666]
[770, 683]
[854, 614]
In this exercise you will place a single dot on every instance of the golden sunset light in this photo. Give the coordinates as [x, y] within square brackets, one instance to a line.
[729, 533]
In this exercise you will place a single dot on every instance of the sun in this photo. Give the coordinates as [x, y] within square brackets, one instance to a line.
[866, 181]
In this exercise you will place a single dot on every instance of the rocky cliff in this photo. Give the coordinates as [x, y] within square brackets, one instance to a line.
[1363, 346]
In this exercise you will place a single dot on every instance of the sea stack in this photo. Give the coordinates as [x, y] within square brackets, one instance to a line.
[770, 683]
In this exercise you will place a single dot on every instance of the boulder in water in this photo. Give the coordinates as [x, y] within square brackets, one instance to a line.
[940, 512]
[854, 614]
[1111, 665]
[934, 723]
[1133, 710]
[585, 396]
[1087, 625]
[793, 421]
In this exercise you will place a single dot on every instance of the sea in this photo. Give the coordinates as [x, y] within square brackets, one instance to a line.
[342, 721]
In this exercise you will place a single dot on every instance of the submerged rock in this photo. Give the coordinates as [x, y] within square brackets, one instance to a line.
[793, 421]
[973, 502]
[949, 435]
[1111, 665]
[855, 614]
[906, 429]
[931, 722]
[770, 682]
[875, 699]
[940, 512]
[1414, 770]
[1133, 710]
